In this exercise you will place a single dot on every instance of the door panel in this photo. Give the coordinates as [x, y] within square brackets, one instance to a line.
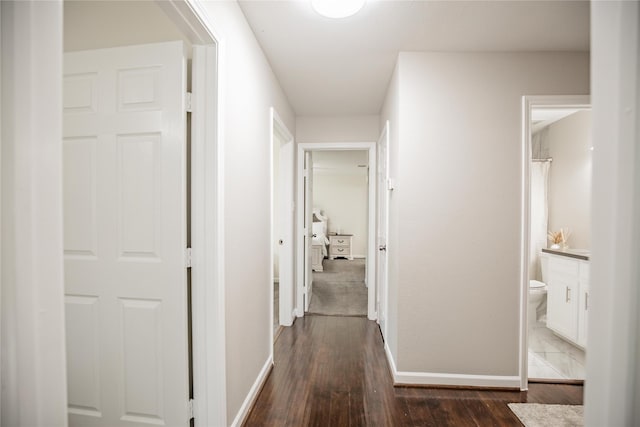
[125, 235]
[308, 224]
[383, 227]
[285, 218]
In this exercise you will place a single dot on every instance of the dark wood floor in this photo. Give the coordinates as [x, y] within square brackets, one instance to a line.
[332, 371]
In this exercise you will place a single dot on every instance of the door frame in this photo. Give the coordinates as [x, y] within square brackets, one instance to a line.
[36, 31]
[207, 210]
[371, 241]
[383, 282]
[528, 103]
[285, 301]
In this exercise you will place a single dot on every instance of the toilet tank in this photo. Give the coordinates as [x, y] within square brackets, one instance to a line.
[544, 266]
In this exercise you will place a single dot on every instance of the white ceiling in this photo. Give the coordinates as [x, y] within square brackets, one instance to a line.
[341, 67]
[546, 116]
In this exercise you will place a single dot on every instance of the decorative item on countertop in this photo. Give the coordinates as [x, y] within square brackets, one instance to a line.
[559, 239]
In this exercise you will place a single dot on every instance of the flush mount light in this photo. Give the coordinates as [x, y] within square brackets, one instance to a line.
[337, 8]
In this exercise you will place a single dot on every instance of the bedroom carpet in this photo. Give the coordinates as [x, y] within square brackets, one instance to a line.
[340, 290]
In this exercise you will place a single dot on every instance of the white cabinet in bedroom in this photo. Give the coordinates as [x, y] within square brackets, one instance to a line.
[340, 246]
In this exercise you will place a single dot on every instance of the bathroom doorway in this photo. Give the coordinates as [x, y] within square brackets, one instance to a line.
[556, 237]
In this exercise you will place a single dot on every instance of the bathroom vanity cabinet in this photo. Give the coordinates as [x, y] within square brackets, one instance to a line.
[568, 294]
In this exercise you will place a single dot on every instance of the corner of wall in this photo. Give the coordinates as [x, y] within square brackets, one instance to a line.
[248, 402]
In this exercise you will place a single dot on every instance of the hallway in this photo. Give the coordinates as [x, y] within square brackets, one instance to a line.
[332, 371]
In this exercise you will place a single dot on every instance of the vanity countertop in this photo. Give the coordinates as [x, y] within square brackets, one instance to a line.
[582, 254]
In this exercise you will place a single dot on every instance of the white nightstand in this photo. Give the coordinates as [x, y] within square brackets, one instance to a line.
[340, 246]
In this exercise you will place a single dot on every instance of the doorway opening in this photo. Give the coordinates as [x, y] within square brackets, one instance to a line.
[344, 241]
[282, 220]
[556, 238]
[339, 200]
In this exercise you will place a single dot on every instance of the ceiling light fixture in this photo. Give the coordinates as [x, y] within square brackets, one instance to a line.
[337, 8]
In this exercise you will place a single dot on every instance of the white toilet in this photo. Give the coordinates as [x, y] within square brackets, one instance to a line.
[537, 301]
[538, 294]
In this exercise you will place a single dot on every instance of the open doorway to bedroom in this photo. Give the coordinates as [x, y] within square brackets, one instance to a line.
[336, 229]
[339, 225]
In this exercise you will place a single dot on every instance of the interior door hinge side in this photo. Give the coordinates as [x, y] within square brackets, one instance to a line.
[187, 258]
[188, 102]
[190, 409]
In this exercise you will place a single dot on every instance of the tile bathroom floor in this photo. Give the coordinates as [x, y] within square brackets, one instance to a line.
[551, 357]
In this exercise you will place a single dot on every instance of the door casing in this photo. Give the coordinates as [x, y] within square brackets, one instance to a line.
[382, 237]
[528, 103]
[370, 278]
[286, 254]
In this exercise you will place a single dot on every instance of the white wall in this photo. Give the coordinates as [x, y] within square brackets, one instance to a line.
[456, 206]
[343, 197]
[90, 24]
[569, 142]
[337, 128]
[249, 90]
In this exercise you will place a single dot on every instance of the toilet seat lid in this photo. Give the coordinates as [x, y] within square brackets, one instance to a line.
[536, 284]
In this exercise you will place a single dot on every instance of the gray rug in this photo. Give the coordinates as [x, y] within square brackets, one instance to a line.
[340, 290]
[539, 415]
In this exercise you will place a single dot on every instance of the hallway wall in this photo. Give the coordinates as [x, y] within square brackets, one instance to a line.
[456, 160]
[250, 89]
[337, 128]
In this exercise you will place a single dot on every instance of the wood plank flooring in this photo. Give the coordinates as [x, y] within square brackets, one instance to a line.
[332, 371]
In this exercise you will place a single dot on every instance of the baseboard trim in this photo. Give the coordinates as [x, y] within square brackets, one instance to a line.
[253, 393]
[401, 378]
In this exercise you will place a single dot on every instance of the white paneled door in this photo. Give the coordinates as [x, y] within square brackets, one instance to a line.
[308, 227]
[125, 236]
[382, 276]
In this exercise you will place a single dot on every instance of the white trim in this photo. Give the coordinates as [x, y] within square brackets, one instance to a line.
[207, 211]
[529, 102]
[253, 393]
[442, 379]
[371, 242]
[190, 19]
[613, 363]
[34, 384]
[383, 291]
[286, 292]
